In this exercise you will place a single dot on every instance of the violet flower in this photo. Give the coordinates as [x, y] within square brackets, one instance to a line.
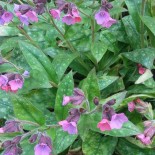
[103, 18]
[5, 16]
[111, 120]
[70, 124]
[40, 6]
[77, 98]
[44, 146]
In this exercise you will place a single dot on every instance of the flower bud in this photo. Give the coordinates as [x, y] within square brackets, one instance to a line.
[33, 138]
[96, 101]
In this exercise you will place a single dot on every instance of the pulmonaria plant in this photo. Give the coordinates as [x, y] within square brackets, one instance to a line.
[103, 17]
[148, 133]
[25, 13]
[110, 119]
[70, 10]
[5, 16]
[11, 82]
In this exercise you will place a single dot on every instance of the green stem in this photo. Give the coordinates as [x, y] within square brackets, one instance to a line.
[142, 24]
[93, 30]
[27, 36]
[88, 105]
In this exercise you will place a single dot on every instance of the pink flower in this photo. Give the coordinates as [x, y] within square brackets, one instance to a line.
[143, 139]
[131, 106]
[42, 149]
[55, 13]
[103, 18]
[141, 69]
[31, 15]
[1, 130]
[118, 120]
[104, 125]
[70, 127]
[16, 84]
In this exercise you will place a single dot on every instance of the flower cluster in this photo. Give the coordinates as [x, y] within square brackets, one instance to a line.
[148, 133]
[12, 147]
[103, 17]
[138, 105]
[11, 126]
[25, 13]
[70, 124]
[11, 82]
[110, 119]
[71, 16]
[5, 16]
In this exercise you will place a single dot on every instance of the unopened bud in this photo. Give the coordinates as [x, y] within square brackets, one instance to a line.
[96, 100]
[111, 102]
[5, 144]
[17, 139]
[33, 138]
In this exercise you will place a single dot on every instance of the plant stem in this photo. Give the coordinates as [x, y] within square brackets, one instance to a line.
[142, 24]
[69, 45]
[27, 36]
[88, 105]
[93, 30]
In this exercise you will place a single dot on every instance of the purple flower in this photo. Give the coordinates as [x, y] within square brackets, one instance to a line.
[131, 106]
[7, 17]
[25, 13]
[70, 127]
[44, 146]
[55, 13]
[3, 80]
[103, 18]
[77, 98]
[118, 120]
[42, 149]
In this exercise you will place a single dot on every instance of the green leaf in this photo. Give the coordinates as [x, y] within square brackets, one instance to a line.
[143, 56]
[134, 11]
[8, 31]
[124, 147]
[149, 22]
[91, 88]
[132, 34]
[98, 144]
[65, 88]
[24, 110]
[98, 50]
[119, 97]
[39, 56]
[104, 81]
[62, 141]
[5, 104]
[61, 62]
